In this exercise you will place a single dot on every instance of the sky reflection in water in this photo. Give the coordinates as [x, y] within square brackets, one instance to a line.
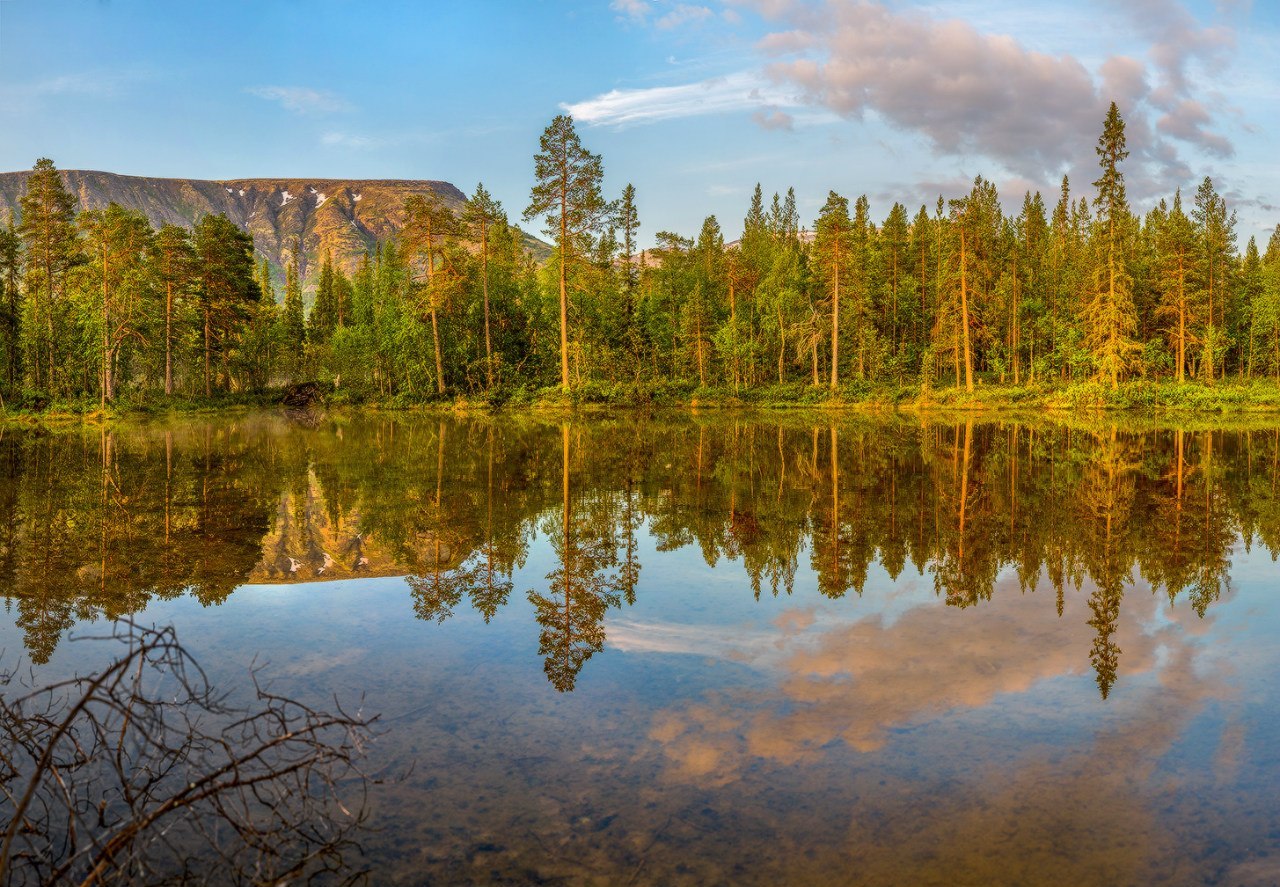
[709, 650]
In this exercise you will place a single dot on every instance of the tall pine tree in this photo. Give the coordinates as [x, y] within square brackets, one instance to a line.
[567, 195]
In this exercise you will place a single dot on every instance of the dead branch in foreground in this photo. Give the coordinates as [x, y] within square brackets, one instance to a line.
[142, 772]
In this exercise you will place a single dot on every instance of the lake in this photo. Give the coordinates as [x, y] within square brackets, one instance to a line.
[722, 649]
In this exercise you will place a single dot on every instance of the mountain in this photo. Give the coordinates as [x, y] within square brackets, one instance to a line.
[345, 216]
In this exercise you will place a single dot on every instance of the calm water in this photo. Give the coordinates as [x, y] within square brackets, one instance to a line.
[715, 650]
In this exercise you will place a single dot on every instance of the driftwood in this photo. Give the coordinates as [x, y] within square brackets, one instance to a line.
[304, 402]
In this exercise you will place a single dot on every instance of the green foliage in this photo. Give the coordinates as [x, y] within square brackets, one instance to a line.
[1083, 306]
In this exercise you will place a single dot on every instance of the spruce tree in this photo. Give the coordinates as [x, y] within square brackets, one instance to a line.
[1059, 272]
[895, 242]
[324, 312]
[266, 326]
[629, 222]
[293, 323]
[226, 291]
[1216, 236]
[482, 212]
[1110, 319]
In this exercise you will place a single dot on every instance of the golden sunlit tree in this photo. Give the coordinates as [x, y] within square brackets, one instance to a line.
[1109, 317]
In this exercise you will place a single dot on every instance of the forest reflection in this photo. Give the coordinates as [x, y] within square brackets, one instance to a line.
[97, 524]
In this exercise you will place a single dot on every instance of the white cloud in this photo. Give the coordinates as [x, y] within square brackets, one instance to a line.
[301, 99]
[743, 91]
[348, 140]
[20, 96]
[636, 10]
[683, 14]
[974, 92]
[773, 118]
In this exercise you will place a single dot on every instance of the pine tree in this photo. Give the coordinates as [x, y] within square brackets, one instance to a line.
[701, 308]
[48, 231]
[1251, 286]
[173, 259]
[833, 255]
[965, 223]
[567, 194]
[118, 241]
[1109, 316]
[429, 226]
[861, 306]
[1176, 244]
[1266, 306]
[11, 305]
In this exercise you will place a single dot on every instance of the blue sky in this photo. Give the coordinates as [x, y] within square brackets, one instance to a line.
[693, 102]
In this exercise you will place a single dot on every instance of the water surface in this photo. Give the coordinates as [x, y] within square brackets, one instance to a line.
[687, 650]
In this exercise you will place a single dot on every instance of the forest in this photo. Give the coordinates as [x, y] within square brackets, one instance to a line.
[98, 307]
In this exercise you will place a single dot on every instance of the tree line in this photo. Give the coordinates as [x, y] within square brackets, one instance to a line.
[99, 303]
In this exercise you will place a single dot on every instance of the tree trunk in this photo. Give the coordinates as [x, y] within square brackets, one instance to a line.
[1182, 324]
[106, 330]
[435, 339]
[168, 339]
[835, 323]
[964, 316]
[782, 344]
[208, 387]
[484, 279]
[733, 325]
[1014, 344]
[1111, 305]
[564, 283]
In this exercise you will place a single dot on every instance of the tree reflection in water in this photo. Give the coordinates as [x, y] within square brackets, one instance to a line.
[97, 524]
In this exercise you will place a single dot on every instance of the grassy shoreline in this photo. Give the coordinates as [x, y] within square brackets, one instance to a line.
[1258, 398]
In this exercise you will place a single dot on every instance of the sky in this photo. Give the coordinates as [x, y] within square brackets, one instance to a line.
[692, 102]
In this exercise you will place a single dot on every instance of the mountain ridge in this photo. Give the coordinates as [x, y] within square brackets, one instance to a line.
[345, 217]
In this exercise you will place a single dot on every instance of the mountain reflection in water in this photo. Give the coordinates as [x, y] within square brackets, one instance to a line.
[100, 523]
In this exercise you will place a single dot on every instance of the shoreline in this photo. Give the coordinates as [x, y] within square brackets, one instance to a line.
[1255, 400]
